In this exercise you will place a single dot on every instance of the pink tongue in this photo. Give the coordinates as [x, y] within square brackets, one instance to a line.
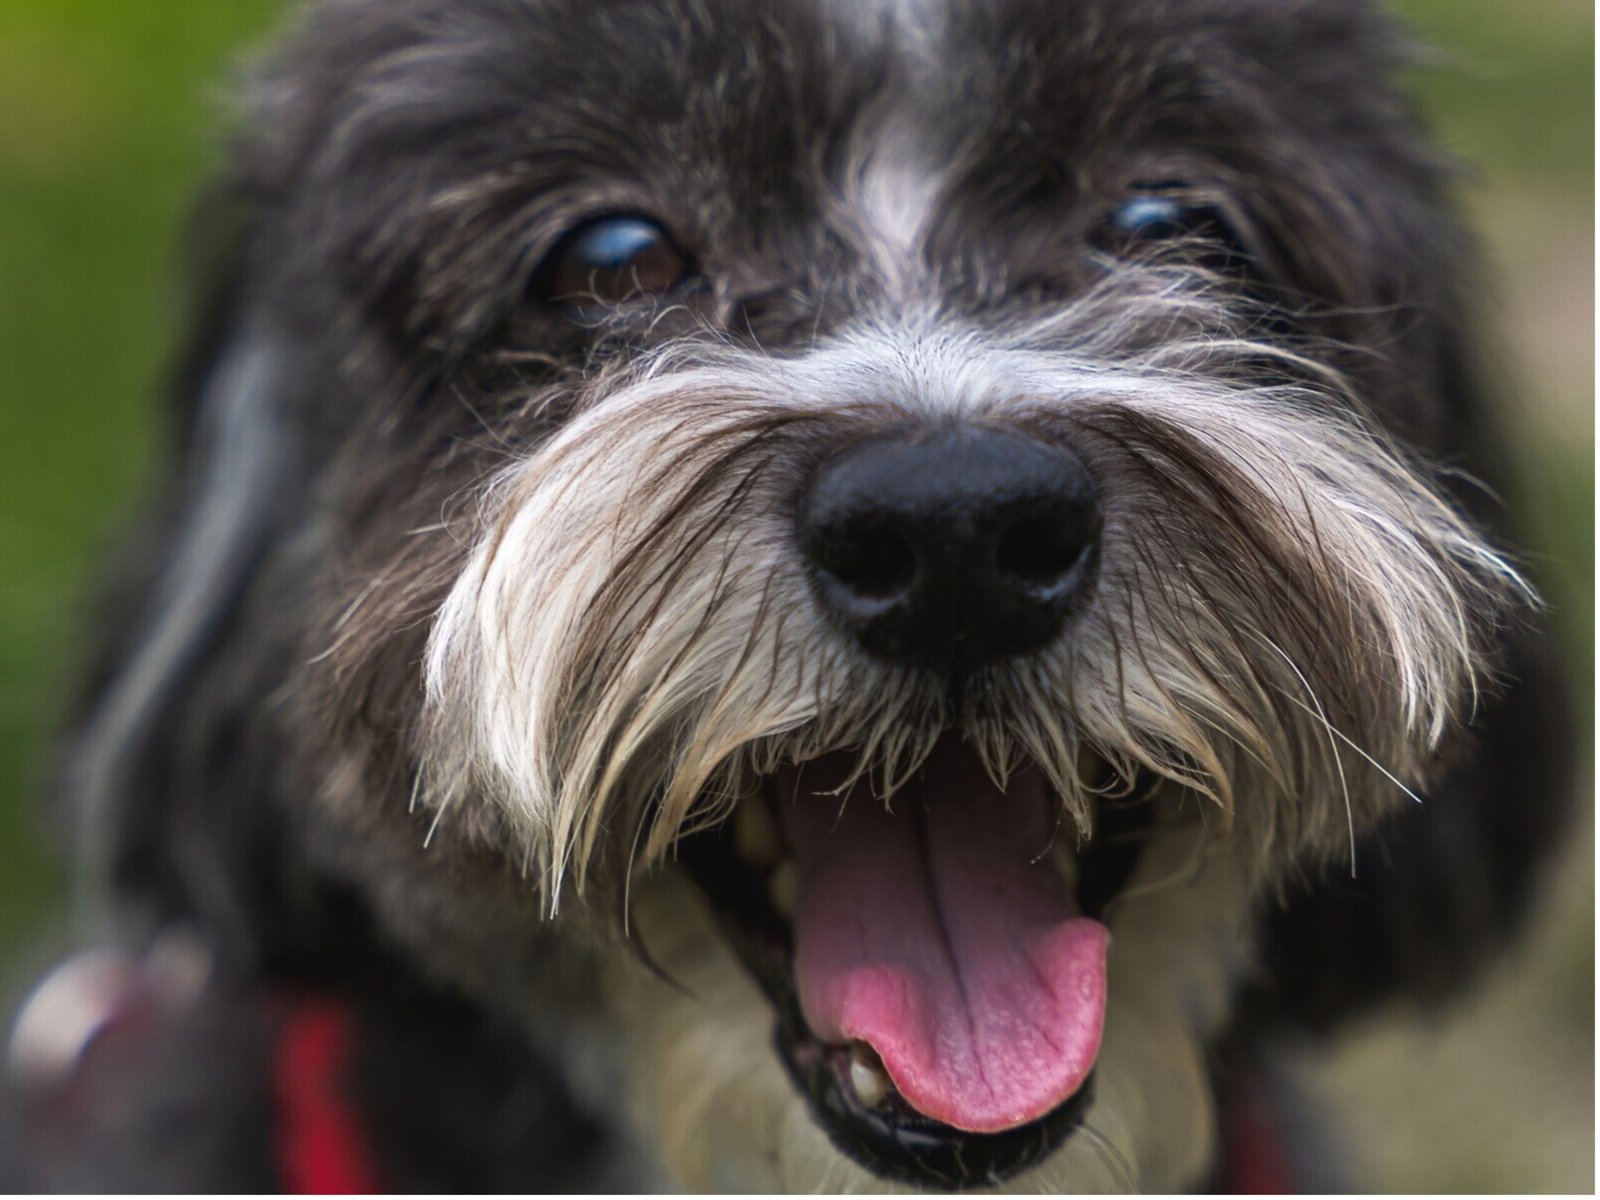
[942, 936]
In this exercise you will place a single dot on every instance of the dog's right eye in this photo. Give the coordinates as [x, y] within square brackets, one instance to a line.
[610, 261]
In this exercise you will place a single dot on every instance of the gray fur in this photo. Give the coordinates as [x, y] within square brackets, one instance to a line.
[479, 609]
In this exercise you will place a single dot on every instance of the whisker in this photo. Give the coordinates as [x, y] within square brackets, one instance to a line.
[1121, 1169]
[1338, 761]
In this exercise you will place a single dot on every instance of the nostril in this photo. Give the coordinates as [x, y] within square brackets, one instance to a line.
[1040, 550]
[875, 564]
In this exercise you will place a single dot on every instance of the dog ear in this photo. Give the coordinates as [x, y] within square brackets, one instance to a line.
[1442, 883]
[167, 791]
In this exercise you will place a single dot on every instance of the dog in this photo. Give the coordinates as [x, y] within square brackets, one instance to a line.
[796, 595]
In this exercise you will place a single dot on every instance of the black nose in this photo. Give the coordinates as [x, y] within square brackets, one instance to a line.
[954, 547]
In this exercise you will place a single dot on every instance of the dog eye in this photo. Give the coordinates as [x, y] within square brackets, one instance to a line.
[611, 260]
[1154, 217]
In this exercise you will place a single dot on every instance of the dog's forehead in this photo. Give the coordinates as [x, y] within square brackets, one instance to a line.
[775, 96]
[798, 78]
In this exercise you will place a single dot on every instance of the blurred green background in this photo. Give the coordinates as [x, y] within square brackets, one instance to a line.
[109, 111]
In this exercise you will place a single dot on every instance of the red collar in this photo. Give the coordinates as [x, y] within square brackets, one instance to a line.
[1254, 1155]
[319, 1143]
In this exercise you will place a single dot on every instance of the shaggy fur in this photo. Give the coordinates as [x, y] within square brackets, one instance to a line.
[460, 613]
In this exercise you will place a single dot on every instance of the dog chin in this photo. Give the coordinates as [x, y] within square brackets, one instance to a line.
[685, 1031]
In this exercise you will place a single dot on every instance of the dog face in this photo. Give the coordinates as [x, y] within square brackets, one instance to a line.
[825, 555]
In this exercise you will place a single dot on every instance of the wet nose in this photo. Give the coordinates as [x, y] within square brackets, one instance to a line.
[952, 548]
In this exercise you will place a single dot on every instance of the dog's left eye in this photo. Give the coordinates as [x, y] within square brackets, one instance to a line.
[1154, 217]
[612, 260]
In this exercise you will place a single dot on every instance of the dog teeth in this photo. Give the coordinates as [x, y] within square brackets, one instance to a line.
[1066, 860]
[783, 889]
[868, 1078]
[755, 833]
[1093, 770]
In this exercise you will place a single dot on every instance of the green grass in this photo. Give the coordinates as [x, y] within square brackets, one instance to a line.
[104, 111]
[1515, 89]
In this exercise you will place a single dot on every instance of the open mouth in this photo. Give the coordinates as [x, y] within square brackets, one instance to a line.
[937, 964]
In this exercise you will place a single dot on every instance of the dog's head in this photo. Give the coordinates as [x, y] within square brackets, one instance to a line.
[889, 523]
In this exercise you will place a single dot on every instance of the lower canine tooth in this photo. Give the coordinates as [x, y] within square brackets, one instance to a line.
[1066, 860]
[869, 1081]
[783, 889]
